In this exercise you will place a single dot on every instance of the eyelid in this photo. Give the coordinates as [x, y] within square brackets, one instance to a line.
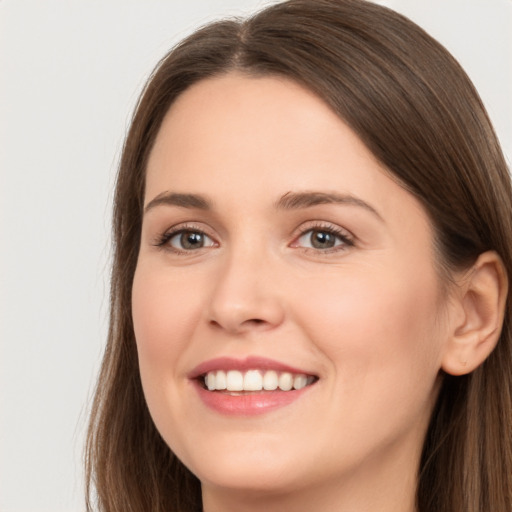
[162, 240]
[347, 238]
[343, 234]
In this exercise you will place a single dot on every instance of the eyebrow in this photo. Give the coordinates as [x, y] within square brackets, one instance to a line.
[298, 200]
[289, 201]
[181, 200]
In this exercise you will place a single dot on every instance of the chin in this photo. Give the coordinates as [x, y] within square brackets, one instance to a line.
[249, 480]
[258, 470]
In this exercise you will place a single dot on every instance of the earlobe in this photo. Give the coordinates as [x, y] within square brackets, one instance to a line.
[481, 299]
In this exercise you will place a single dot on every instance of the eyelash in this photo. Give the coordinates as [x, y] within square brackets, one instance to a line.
[346, 238]
[164, 239]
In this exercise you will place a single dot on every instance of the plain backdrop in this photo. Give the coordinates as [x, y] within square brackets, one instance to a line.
[70, 73]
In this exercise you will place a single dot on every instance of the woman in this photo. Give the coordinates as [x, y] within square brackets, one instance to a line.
[312, 233]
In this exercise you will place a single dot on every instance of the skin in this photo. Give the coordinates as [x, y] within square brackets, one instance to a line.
[370, 317]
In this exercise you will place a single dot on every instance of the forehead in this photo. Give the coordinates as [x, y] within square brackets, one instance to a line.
[241, 140]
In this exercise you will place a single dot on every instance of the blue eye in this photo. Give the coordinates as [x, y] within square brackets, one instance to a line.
[322, 239]
[187, 240]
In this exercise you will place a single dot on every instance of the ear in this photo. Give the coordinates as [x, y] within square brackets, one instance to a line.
[476, 327]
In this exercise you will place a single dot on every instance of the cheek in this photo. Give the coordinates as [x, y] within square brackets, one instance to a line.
[164, 316]
[375, 322]
[382, 343]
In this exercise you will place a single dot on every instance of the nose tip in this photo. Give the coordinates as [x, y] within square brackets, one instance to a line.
[241, 303]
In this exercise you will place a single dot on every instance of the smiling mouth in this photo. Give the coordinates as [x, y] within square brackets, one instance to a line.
[235, 382]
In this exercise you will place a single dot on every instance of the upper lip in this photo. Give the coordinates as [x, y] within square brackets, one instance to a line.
[248, 363]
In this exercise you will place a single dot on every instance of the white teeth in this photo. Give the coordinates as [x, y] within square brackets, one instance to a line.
[210, 382]
[286, 381]
[234, 381]
[270, 380]
[221, 380]
[299, 381]
[255, 380]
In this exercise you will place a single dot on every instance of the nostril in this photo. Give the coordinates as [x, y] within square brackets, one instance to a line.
[249, 324]
[253, 322]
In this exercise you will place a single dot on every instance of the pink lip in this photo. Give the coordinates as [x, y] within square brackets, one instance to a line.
[247, 404]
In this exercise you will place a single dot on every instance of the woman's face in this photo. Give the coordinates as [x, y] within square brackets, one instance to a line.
[276, 251]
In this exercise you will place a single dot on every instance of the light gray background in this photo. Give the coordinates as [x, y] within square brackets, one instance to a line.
[70, 72]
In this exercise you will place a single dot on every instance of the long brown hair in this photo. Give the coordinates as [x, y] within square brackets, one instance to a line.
[418, 113]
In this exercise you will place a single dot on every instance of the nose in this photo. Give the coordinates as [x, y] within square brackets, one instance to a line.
[246, 295]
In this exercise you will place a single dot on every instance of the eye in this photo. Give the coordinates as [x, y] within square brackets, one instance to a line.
[186, 240]
[323, 239]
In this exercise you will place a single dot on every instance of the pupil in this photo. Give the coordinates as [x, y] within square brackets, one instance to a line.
[191, 240]
[322, 240]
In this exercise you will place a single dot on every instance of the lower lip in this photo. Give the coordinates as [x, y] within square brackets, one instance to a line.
[249, 404]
